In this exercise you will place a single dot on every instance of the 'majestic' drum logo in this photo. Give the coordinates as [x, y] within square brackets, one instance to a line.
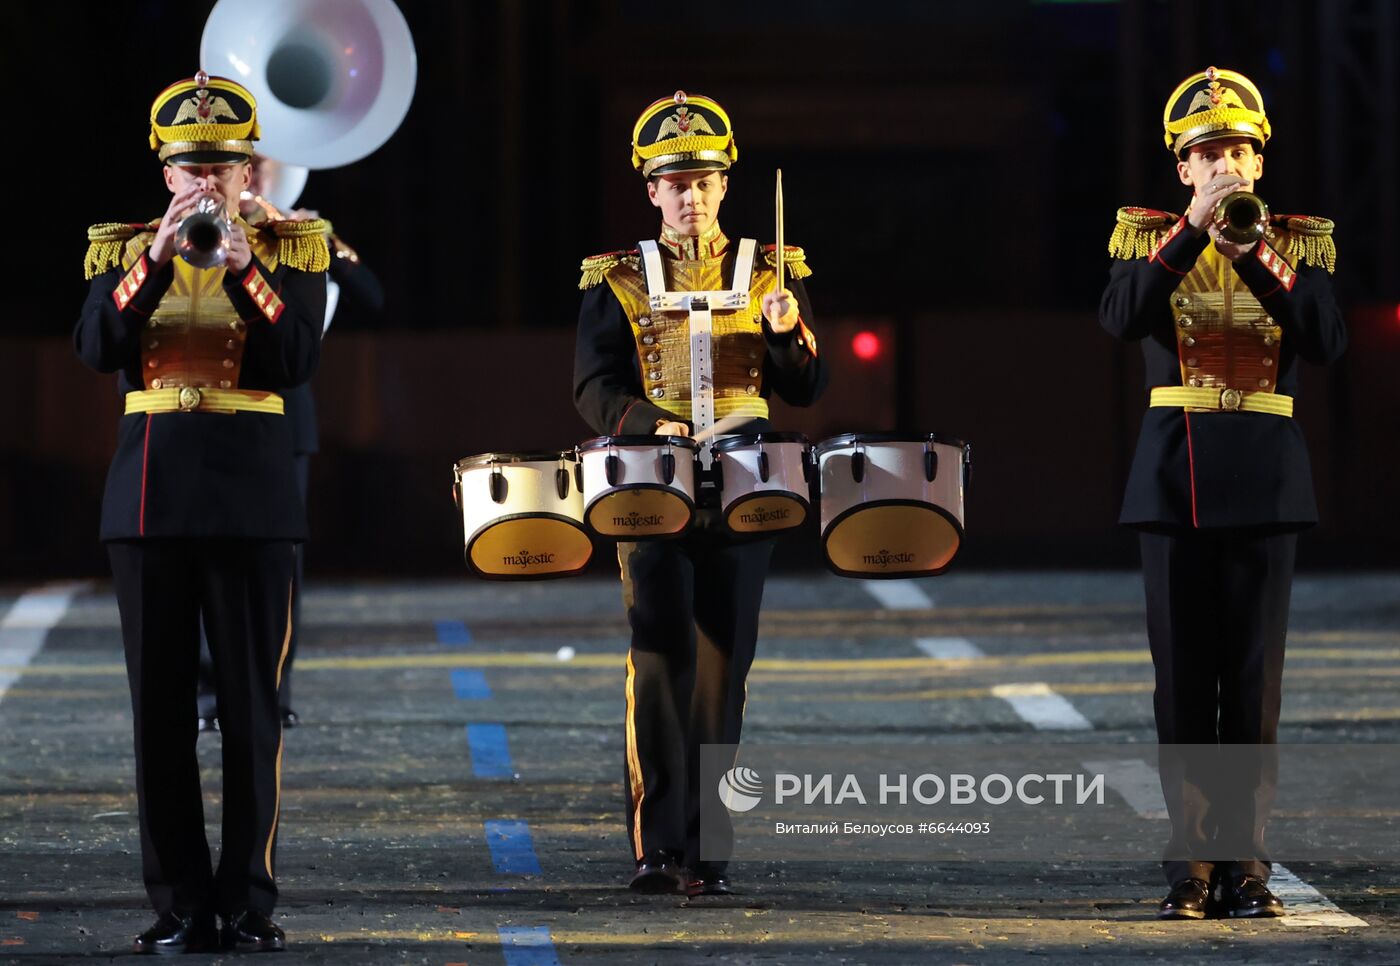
[634, 520]
[527, 559]
[884, 558]
[761, 515]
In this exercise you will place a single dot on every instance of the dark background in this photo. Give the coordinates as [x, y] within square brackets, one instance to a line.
[952, 170]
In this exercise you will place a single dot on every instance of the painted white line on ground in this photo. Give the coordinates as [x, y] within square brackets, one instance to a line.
[949, 648]
[26, 625]
[1041, 707]
[1305, 906]
[1136, 782]
[899, 594]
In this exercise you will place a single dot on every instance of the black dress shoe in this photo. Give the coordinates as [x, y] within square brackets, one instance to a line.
[174, 933]
[706, 880]
[208, 724]
[252, 932]
[1186, 900]
[289, 718]
[658, 873]
[1247, 895]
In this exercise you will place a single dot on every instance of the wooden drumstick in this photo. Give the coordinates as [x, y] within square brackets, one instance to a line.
[782, 252]
[720, 426]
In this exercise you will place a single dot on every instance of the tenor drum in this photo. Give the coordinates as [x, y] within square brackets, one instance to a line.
[891, 504]
[639, 487]
[763, 481]
[522, 514]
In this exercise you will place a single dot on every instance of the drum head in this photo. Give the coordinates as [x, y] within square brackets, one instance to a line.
[766, 513]
[529, 546]
[750, 439]
[896, 538]
[488, 459]
[847, 440]
[639, 513]
[603, 442]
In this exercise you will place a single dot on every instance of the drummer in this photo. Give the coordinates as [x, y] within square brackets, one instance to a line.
[692, 603]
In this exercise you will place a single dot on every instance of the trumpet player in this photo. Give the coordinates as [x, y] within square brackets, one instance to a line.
[205, 320]
[1224, 308]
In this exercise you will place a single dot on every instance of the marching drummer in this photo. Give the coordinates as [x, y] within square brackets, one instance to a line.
[1220, 485]
[201, 509]
[692, 603]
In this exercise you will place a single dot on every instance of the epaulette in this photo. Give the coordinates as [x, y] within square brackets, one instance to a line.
[302, 244]
[794, 260]
[106, 242]
[1138, 231]
[596, 267]
[1309, 240]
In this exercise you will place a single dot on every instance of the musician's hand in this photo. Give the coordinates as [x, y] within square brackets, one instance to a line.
[672, 427]
[239, 254]
[1202, 212]
[780, 309]
[181, 204]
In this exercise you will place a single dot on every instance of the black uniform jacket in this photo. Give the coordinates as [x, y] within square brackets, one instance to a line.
[1219, 469]
[608, 376]
[205, 474]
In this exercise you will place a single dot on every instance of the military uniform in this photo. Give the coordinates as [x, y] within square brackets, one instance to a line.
[1220, 483]
[201, 512]
[692, 603]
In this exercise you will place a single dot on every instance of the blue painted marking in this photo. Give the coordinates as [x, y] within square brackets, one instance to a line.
[512, 849]
[453, 633]
[527, 946]
[470, 685]
[490, 754]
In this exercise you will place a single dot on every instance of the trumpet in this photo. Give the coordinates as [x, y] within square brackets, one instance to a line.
[1242, 217]
[203, 237]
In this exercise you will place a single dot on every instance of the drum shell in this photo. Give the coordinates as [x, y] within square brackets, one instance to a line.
[894, 521]
[752, 506]
[533, 532]
[641, 504]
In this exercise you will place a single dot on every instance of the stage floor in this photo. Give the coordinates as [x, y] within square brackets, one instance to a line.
[408, 836]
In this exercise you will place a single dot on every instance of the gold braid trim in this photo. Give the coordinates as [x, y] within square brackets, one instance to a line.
[302, 244]
[596, 267]
[106, 242]
[1310, 241]
[794, 260]
[1138, 231]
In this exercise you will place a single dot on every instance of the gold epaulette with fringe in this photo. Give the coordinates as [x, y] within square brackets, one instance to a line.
[302, 244]
[1138, 231]
[1309, 240]
[596, 267]
[106, 242]
[794, 260]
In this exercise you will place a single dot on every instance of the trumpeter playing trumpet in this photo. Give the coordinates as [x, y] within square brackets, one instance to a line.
[1225, 300]
[643, 366]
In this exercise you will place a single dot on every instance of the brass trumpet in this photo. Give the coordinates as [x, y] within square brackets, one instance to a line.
[204, 235]
[1242, 217]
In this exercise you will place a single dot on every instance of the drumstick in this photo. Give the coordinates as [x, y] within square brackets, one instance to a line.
[720, 426]
[782, 252]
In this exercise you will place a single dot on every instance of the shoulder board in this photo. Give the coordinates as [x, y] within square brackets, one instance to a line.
[107, 242]
[1309, 240]
[301, 244]
[596, 267]
[1138, 231]
[794, 260]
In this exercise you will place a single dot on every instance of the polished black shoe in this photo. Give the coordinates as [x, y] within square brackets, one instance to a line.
[208, 724]
[658, 873]
[173, 934]
[252, 932]
[1186, 900]
[1248, 896]
[706, 880]
[290, 718]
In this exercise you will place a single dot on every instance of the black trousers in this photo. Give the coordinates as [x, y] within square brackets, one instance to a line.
[1217, 615]
[693, 608]
[243, 588]
[207, 699]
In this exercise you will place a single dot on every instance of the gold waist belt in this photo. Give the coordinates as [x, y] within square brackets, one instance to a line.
[755, 406]
[1224, 400]
[188, 399]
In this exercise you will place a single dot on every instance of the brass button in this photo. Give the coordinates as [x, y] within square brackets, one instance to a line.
[151, 363]
[1194, 381]
[225, 384]
[1182, 301]
[644, 321]
[1189, 341]
[1267, 362]
[228, 363]
[230, 344]
[1184, 321]
[1192, 362]
[1230, 400]
[156, 383]
[658, 392]
[648, 340]
[751, 390]
[1268, 340]
[189, 398]
[1263, 384]
[653, 357]
[654, 375]
[753, 373]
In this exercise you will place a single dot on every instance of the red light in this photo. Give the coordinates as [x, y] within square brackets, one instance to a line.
[866, 345]
[1397, 313]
